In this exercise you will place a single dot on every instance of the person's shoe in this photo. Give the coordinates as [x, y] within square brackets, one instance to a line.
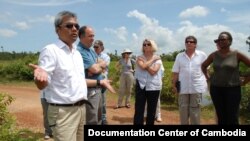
[158, 119]
[46, 137]
[105, 122]
[128, 106]
[117, 107]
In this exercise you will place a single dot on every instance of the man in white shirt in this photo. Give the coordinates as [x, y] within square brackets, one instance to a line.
[187, 69]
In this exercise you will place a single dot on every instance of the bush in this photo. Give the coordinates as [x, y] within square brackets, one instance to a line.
[6, 120]
[245, 104]
[8, 130]
[167, 95]
[18, 69]
[245, 95]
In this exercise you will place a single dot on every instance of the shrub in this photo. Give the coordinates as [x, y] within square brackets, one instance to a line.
[8, 130]
[167, 95]
[18, 69]
[245, 104]
[6, 120]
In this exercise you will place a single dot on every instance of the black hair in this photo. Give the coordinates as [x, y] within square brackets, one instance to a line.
[82, 31]
[191, 37]
[230, 38]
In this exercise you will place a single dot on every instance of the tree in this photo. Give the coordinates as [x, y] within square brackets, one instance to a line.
[248, 42]
[116, 52]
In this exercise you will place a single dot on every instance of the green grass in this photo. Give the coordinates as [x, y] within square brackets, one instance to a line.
[208, 112]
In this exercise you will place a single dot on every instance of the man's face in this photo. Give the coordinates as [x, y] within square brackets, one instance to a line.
[88, 38]
[68, 30]
[190, 44]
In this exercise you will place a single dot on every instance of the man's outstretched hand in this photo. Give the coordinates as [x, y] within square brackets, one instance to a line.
[106, 83]
[40, 76]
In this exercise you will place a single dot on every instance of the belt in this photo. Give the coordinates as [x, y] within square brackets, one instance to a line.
[78, 103]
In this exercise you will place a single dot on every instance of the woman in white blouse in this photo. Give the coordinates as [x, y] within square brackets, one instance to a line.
[148, 83]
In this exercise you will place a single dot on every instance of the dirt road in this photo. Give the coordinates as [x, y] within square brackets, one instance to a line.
[28, 111]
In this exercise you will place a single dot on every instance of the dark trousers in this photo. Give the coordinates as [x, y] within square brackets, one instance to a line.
[141, 98]
[45, 106]
[104, 112]
[227, 103]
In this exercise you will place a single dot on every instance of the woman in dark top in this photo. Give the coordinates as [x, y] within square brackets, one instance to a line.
[225, 81]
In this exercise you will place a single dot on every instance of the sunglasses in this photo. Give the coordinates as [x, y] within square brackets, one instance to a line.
[148, 44]
[190, 42]
[96, 46]
[70, 26]
[221, 40]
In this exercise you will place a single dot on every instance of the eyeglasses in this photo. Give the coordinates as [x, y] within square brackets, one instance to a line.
[96, 47]
[190, 42]
[148, 44]
[221, 40]
[70, 26]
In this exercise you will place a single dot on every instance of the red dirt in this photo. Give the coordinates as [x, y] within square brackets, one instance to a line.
[28, 111]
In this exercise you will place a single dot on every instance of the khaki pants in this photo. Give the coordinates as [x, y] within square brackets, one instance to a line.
[126, 85]
[190, 108]
[67, 123]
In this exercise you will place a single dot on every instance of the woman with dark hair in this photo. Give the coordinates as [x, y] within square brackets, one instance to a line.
[225, 81]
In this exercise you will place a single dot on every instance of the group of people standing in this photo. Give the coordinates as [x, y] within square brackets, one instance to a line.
[73, 79]
[191, 70]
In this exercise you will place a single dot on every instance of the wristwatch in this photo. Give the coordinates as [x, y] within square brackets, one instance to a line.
[98, 83]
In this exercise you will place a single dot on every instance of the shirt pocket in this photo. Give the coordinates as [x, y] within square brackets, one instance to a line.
[196, 100]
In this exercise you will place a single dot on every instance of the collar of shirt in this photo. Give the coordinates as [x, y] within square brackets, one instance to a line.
[61, 45]
[194, 54]
[81, 45]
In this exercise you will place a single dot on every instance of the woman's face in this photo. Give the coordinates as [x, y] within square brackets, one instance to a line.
[223, 41]
[147, 46]
[126, 54]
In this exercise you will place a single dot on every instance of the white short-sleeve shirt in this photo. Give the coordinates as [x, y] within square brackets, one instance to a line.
[190, 74]
[65, 68]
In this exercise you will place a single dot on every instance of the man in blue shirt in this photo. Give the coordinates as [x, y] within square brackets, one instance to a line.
[93, 70]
